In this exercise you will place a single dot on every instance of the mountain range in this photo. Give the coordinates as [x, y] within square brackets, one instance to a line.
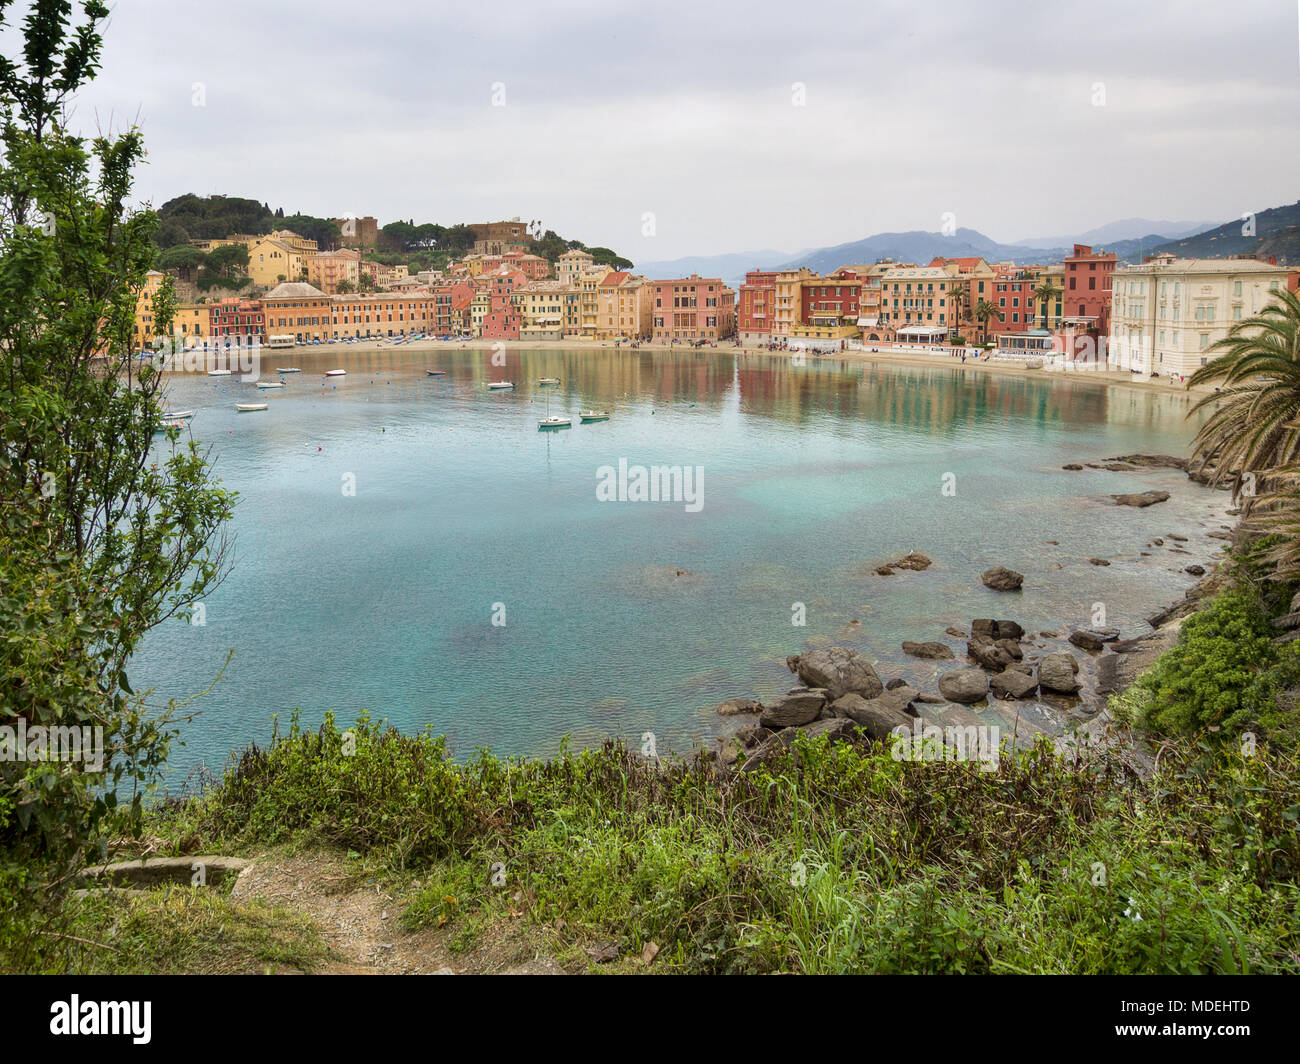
[1277, 231]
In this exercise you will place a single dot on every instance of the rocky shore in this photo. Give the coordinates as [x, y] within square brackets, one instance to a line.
[842, 695]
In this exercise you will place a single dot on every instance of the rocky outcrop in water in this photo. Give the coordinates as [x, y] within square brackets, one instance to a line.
[1141, 499]
[1000, 578]
[837, 670]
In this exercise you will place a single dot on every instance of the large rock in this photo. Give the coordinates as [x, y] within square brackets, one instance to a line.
[1013, 683]
[750, 735]
[994, 654]
[964, 685]
[838, 670]
[932, 651]
[1059, 673]
[837, 729]
[800, 706]
[1145, 498]
[877, 716]
[996, 629]
[999, 578]
[1093, 638]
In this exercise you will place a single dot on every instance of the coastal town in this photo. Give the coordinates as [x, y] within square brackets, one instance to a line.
[1158, 318]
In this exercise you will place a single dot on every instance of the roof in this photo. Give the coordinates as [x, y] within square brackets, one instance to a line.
[1205, 266]
[615, 278]
[294, 290]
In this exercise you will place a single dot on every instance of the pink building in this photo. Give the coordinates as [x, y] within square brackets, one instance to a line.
[693, 308]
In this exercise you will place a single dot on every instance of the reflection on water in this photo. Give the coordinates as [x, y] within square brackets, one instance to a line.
[630, 617]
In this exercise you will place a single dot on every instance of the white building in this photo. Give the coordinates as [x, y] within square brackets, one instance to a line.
[1167, 313]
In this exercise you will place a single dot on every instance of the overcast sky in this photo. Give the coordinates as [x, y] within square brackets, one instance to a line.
[688, 110]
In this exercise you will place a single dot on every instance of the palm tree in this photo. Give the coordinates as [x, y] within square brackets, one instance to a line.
[984, 310]
[1254, 431]
[957, 300]
[1045, 293]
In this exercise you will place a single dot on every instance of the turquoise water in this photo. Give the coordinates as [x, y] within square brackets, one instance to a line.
[384, 599]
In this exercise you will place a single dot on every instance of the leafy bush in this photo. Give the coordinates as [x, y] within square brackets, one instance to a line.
[1224, 676]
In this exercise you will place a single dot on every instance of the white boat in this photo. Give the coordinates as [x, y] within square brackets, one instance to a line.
[170, 423]
[549, 422]
[219, 373]
[178, 415]
[494, 386]
[270, 384]
[436, 372]
[287, 369]
[245, 408]
[336, 373]
[548, 380]
[592, 415]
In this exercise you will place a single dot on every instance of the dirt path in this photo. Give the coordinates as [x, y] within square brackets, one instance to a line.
[361, 921]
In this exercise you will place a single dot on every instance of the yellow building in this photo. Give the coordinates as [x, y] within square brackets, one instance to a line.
[271, 262]
[624, 306]
[787, 301]
[541, 309]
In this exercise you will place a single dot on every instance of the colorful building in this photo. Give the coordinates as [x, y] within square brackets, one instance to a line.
[272, 262]
[693, 308]
[756, 307]
[326, 269]
[623, 306]
[236, 322]
[1088, 289]
[383, 314]
[298, 309]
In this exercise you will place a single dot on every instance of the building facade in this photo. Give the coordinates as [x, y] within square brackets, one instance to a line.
[693, 308]
[1167, 314]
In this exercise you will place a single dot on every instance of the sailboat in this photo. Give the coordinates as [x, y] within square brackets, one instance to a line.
[550, 422]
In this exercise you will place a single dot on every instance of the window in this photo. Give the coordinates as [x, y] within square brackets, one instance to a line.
[1205, 341]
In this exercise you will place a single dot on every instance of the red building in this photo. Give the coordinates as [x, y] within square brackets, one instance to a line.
[1013, 294]
[756, 307]
[1087, 289]
[830, 301]
[451, 306]
[239, 319]
[693, 308]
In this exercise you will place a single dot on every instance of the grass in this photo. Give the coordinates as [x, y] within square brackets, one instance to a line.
[170, 930]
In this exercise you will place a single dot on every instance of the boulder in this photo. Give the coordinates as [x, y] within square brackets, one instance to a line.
[1145, 498]
[1195, 570]
[210, 871]
[1059, 673]
[1098, 561]
[838, 729]
[750, 735]
[964, 685]
[734, 707]
[1013, 683]
[1093, 638]
[800, 706]
[875, 715]
[1073, 466]
[994, 654]
[838, 670]
[999, 578]
[1176, 537]
[914, 562]
[930, 651]
[955, 632]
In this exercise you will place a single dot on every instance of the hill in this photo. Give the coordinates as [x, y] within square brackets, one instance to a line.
[1277, 232]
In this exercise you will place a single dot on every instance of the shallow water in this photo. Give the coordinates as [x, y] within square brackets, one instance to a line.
[812, 476]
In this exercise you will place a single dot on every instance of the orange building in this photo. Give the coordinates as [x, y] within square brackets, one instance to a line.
[693, 308]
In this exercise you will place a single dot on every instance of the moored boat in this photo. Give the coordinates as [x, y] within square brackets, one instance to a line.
[548, 380]
[336, 373]
[178, 415]
[219, 373]
[436, 372]
[287, 369]
[270, 384]
[555, 423]
[246, 408]
[592, 415]
[494, 386]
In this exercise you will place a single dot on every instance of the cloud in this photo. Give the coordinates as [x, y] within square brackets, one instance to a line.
[686, 110]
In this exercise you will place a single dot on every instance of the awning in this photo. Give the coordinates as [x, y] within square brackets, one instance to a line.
[922, 330]
[869, 323]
